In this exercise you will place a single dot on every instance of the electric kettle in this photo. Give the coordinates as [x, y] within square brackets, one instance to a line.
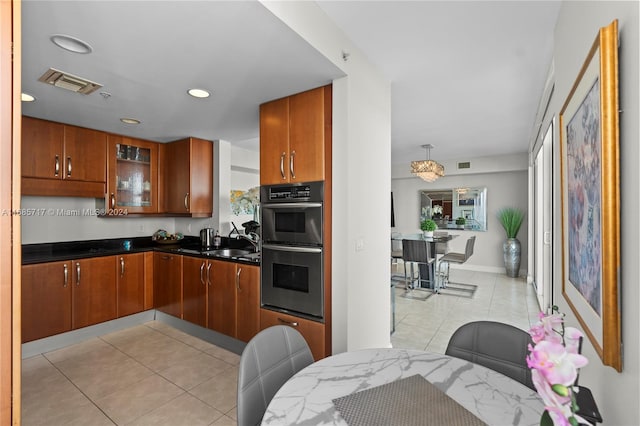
[207, 237]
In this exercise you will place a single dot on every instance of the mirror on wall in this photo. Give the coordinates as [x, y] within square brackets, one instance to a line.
[455, 208]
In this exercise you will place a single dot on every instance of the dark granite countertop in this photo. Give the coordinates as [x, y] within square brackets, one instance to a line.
[70, 250]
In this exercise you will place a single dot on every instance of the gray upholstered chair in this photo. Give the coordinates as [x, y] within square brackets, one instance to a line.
[270, 358]
[418, 252]
[495, 345]
[452, 257]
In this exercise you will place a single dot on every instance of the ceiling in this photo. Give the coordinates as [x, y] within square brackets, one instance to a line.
[466, 76]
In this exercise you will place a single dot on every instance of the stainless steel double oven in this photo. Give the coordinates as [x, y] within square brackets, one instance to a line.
[292, 278]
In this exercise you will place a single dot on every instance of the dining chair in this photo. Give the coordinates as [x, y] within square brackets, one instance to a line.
[498, 346]
[454, 257]
[270, 358]
[396, 247]
[441, 247]
[418, 252]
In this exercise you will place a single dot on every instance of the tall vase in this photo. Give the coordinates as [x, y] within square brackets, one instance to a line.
[511, 249]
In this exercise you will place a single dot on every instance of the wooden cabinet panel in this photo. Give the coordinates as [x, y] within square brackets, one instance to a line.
[186, 169]
[194, 289]
[167, 283]
[42, 151]
[248, 302]
[274, 142]
[313, 332]
[85, 154]
[222, 297]
[46, 299]
[94, 291]
[132, 175]
[130, 284]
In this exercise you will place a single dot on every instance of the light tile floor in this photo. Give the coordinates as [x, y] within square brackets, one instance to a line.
[153, 374]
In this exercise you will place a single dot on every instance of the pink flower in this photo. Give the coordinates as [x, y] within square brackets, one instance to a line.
[572, 338]
[537, 333]
[556, 364]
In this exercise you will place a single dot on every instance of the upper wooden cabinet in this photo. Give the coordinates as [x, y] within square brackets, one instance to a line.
[62, 160]
[186, 176]
[132, 175]
[295, 136]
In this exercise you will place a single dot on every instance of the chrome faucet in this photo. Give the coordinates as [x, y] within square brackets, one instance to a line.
[252, 237]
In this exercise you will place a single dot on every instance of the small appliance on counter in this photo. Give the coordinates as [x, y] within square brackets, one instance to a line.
[207, 238]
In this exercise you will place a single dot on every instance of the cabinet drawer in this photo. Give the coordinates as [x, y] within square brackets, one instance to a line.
[312, 331]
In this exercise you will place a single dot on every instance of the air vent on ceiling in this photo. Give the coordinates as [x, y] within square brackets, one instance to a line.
[464, 165]
[68, 81]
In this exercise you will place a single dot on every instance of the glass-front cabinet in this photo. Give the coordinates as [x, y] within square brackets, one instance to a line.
[132, 176]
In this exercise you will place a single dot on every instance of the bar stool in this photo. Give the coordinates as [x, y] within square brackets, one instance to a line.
[418, 252]
[458, 258]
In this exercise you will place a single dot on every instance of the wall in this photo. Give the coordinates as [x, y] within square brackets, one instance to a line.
[617, 394]
[506, 187]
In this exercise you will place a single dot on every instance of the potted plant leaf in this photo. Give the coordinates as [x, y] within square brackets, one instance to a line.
[428, 226]
[511, 219]
[461, 221]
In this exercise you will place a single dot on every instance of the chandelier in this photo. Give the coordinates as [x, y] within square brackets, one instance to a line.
[428, 169]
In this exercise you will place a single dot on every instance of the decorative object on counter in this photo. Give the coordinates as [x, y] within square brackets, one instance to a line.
[245, 202]
[461, 221]
[511, 219]
[554, 361]
[427, 170]
[126, 244]
[163, 237]
[428, 226]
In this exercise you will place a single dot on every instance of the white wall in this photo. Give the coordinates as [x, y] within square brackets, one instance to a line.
[361, 182]
[617, 394]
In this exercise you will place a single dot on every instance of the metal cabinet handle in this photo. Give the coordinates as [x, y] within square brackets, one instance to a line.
[56, 167]
[209, 273]
[166, 258]
[291, 161]
[113, 200]
[238, 279]
[291, 323]
[282, 164]
[201, 273]
[68, 166]
[122, 267]
[77, 274]
[66, 275]
[186, 201]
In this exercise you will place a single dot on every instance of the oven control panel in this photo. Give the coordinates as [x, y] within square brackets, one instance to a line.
[313, 191]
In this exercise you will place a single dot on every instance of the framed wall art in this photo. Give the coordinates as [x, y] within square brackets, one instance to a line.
[589, 159]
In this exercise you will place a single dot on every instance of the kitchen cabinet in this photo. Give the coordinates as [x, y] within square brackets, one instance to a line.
[167, 283]
[94, 291]
[132, 183]
[295, 137]
[195, 279]
[46, 299]
[247, 301]
[186, 169]
[62, 160]
[222, 297]
[130, 279]
[66, 295]
[313, 332]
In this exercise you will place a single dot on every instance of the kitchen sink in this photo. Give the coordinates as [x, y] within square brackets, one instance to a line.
[228, 252]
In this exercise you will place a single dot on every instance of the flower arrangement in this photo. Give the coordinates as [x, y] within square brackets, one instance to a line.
[554, 362]
[437, 209]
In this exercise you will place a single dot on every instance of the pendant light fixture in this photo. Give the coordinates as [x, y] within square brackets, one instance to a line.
[428, 170]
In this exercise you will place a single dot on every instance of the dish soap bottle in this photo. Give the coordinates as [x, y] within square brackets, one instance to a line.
[217, 240]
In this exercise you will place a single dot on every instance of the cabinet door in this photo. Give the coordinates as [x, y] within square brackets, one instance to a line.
[132, 175]
[222, 297]
[42, 152]
[313, 332]
[248, 301]
[130, 284]
[194, 290]
[167, 283]
[175, 177]
[307, 136]
[46, 300]
[94, 291]
[85, 154]
[201, 179]
[274, 142]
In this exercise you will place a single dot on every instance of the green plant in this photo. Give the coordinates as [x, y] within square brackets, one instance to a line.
[511, 219]
[428, 225]
[461, 220]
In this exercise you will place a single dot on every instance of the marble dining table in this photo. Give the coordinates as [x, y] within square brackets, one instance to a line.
[307, 398]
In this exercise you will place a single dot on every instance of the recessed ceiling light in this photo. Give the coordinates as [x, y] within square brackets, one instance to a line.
[130, 121]
[198, 93]
[71, 44]
[25, 97]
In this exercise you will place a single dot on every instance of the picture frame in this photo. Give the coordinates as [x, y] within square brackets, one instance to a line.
[589, 164]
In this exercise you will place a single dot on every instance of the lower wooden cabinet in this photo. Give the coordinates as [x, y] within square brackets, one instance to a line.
[247, 301]
[313, 332]
[167, 283]
[195, 280]
[66, 295]
[222, 298]
[130, 279]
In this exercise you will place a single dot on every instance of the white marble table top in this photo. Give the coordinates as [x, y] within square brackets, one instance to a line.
[307, 397]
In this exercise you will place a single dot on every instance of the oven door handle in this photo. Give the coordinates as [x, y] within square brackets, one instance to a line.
[290, 205]
[295, 249]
